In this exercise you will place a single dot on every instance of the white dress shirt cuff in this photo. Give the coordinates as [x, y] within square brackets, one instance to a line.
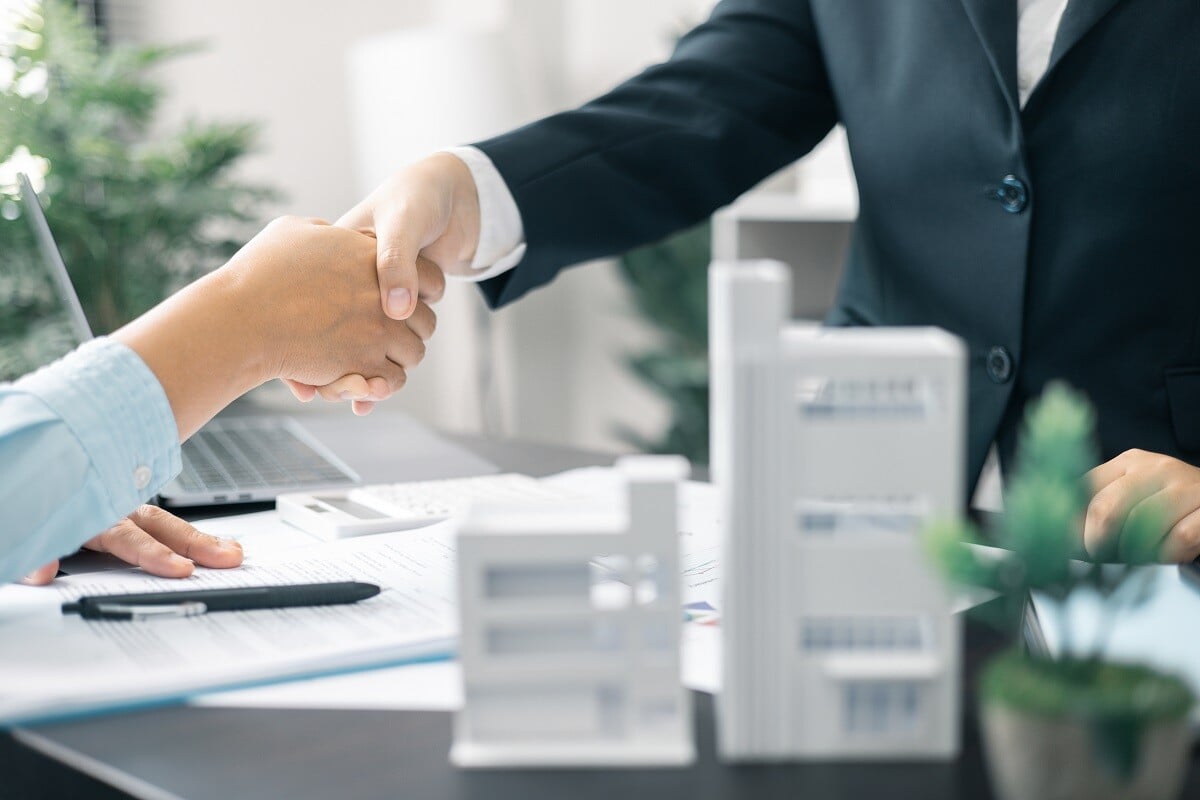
[501, 233]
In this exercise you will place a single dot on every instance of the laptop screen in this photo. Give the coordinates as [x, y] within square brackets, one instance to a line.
[40, 315]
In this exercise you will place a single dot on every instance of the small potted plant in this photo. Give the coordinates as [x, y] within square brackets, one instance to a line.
[1075, 724]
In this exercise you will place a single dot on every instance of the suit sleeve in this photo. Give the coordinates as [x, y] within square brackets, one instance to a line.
[743, 95]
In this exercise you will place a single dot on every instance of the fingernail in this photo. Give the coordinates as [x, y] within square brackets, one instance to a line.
[180, 561]
[231, 544]
[347, 395]
[398, 301]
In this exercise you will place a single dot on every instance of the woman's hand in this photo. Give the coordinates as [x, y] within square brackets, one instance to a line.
[1137, 482]
[160, 543]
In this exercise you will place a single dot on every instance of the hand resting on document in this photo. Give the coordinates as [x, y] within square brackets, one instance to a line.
[157, 541]
[1139, 482]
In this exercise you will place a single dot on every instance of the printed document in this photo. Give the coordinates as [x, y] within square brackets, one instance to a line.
[54, 665]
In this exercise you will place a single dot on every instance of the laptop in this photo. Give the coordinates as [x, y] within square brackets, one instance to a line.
[231, 459]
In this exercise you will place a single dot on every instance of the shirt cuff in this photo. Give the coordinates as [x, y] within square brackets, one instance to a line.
[501, 233]
[115, 406]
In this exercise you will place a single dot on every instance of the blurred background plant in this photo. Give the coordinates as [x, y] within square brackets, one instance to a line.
[669, 284]
[137, 212]
[1045, 501]
[668, 281]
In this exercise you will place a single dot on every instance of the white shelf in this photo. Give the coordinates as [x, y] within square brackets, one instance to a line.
[793, 207]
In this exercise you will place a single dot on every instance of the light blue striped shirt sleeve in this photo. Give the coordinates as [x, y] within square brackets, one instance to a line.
[83, 442]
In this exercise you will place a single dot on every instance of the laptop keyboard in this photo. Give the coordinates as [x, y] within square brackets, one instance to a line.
[230, 455]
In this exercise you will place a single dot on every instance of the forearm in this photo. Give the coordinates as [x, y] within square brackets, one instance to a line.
[203, 347]
[743, 95]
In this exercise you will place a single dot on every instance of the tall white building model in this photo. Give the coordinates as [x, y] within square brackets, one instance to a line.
[830, 448]
[570, 632]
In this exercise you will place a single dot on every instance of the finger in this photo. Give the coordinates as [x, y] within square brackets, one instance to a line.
[303, 392]
[1170, 504]
[405, 348]
[347, 387]
[131, 544]
[1182, 543]
[183, 538]
[1106, 473]
[423, 322]
[431, 281]
[1106, 514]
[396, 261]
[393, 374]
[1145, 530]
[379, 389]
[359, 218]
[42, 575]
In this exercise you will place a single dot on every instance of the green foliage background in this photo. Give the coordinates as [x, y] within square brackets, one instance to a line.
[137, 212]
[669, 284]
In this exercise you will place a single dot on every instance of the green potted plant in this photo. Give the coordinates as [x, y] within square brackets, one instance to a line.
[138, 211]
[1073, 725]
[668, 282]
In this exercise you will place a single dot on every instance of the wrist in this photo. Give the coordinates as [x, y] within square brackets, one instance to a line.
[463, 201]
[201, 346]
[239, 327]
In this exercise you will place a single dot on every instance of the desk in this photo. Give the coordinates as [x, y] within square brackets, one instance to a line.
[247, 754]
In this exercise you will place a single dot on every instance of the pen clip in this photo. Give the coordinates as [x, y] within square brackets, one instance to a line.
[136, 612]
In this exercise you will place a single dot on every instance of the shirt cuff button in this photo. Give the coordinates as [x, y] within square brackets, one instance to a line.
[141, 477]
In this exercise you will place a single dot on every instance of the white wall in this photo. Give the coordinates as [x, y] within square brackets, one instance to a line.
[604, 42]
[281, 62]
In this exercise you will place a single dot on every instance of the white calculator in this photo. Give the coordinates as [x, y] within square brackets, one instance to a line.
[383, 508]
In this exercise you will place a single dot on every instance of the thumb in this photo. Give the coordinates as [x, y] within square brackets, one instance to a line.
[302, 391]
[42, 575]
[396, 261]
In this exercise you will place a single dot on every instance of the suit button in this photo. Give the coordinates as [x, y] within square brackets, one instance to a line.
[999, 365]
[1013, 194]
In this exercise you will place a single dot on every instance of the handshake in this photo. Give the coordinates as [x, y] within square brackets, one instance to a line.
[338, 310]
[423, 220]
[350, 332]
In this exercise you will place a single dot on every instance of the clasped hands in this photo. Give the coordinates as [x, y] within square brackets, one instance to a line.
[426, 222]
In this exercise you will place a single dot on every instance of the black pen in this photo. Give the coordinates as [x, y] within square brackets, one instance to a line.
[154, 605]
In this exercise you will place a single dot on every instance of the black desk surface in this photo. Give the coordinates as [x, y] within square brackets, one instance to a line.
[246, 754]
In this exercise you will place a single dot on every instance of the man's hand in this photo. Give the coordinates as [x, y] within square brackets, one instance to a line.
[158, 542]
[428, 209]
[1137, 482]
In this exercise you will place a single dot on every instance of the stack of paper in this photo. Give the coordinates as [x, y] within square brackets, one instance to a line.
[53, 666]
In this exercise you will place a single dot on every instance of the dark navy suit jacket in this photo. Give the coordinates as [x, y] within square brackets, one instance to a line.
[1060, 241]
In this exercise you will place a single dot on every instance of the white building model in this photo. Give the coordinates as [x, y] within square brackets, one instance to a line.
[830, 448]
[566, 663]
